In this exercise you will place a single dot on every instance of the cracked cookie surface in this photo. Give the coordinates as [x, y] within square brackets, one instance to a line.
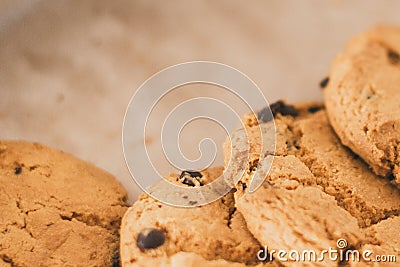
[362, 98]
[316, 192]
[56, 210]
[210, 235]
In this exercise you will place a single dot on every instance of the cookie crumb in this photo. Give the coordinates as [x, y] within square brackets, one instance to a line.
[150, 238]
[394, 57]
[324, 83]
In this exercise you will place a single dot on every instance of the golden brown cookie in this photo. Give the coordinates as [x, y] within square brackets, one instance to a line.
[155, 234]
[56, 210]
[362, 98]
[317, 191]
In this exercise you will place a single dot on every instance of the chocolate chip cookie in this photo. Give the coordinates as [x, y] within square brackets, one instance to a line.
[362, 99]
[56, 210]
[317, 191]
[155, 234]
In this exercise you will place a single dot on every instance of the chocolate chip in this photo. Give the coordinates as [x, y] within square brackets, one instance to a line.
[324, 83]
[191, 178]
[150, 238]
[244, 186]
[18, 170]
[191, 202]
[394, 57]
[264, 115]
[278, 107]
[7, 259]
[31, 168]
[281, 108]
[314, 109]
[192, 174]
[189, 181]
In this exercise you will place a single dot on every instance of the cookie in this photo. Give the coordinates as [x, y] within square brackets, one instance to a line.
[317, 191]
[156, 234]
[362, 99]
[56, 210]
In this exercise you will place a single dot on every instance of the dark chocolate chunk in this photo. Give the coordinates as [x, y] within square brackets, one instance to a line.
[116, 259]
[18, 170]
[188, 181]
[191, 202]
[264, 115]
[231, 212]
[314, 109]
[150, 238]
[191, 178]
[278, 107]
[394, 57]
[192, 174]
[244, 186]
[7, 259]
[324, 83]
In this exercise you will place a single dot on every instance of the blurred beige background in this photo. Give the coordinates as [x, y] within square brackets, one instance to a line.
[69, 68]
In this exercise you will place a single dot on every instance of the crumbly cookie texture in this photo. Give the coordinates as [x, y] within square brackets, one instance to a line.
[362, 98]
[316, 192]
[56, 210]
[211, 235]
[387, 244]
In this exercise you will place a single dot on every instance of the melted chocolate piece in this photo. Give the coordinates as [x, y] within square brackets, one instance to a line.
[244, 186]
[150, 238]
[394, 57]
[324, 83]
[18, 170]
[278, 107]
[191, 178]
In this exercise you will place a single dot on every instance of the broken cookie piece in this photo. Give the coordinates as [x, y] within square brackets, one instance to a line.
[311, 173]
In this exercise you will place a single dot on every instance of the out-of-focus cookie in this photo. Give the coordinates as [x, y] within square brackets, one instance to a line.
[156, 234]
[316, 193]
[56, 210]
[362, 98]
